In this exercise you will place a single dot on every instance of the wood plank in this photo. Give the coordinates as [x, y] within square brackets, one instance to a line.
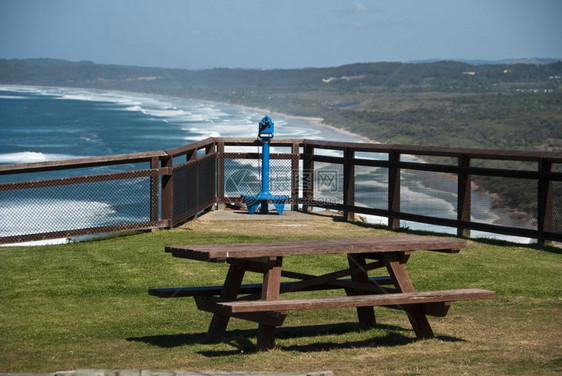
[232, 284]
[209, 304]
[420, 297]
[365, 315]
[270, 291]
[416, 316]
[220, 252]
[81, 162]
[192, 291]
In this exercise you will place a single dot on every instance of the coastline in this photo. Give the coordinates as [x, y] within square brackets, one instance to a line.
[314, 121]
[317, 122]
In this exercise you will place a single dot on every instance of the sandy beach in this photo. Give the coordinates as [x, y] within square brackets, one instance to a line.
[315, 121]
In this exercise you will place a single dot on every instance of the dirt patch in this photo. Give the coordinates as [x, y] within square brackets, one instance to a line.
[289, 225]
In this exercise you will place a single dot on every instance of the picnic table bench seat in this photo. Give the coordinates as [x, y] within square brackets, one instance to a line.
[417, 297]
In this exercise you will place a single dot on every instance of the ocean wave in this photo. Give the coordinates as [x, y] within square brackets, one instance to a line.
[37, 243]
[13, 96]
[33, 157]
[46, 215]
[202, 136]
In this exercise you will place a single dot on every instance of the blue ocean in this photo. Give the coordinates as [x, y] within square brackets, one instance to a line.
[43, 124]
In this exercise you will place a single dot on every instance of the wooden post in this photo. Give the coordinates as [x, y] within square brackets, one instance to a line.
[464, 193]
[348, 184]
[191, 155]
[230, 291]
[220, 174]
[295, 176]
[401, 280]
[168, 191]
[154, 191]
[270, 291]
[210, 148]
[393, 190]
[308, 177]
[544, 218]
[366, 315]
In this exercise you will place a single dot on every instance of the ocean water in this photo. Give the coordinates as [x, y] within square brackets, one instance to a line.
[42, 124]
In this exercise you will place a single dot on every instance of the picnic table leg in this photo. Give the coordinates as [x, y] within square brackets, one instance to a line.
[270, 291]
[230, 289]
[395, 265]
[366, 315]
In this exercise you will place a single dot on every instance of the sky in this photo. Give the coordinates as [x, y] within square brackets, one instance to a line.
[267, 34]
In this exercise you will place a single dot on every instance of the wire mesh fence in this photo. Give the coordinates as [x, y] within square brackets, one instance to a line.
[557, 207]
[328, 183]
[115, 193]
[66, 205]
[244, 177]
[194, 187]
[371, 187]
[429, 193]
[513, 204]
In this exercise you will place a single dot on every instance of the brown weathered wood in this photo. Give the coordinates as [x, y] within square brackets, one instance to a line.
[464, 194]
[208, 304]
[438, 151]
[230, 290]
[266, 337]
[239, 141]
[410, 298]
[348, 184]
[418, 320]
[393, 190]
[307, 177]
[295, 161]
[151, 173]
[545, 218]
[272, 279]
[106, 160]
[366, 315]
[188, 148]
[270, 291]
[437, 309]
[330, 278]
[378, 244]
[82, 232]
[154, 190]
[331, 281]
[192, 291]
[167, 192]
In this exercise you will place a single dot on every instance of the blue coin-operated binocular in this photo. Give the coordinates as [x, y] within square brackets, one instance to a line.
[265, 133]
[265, 130]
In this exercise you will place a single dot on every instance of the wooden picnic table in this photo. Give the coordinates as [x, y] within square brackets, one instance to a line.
[261, 302]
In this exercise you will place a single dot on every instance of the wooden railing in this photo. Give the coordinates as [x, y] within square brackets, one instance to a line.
[548, 223]
[180, 183]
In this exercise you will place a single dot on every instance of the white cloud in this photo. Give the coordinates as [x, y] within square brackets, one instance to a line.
[356, 5]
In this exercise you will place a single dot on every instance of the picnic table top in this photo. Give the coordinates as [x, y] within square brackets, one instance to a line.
[376, 244]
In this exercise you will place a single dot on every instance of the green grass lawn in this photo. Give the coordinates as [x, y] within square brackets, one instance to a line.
[85, 305]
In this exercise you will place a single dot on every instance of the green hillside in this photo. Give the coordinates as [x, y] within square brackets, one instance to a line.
[444, 103]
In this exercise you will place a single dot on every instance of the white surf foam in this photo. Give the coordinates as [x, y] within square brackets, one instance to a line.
[13, 96]
[46, 215]
[33, 157]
